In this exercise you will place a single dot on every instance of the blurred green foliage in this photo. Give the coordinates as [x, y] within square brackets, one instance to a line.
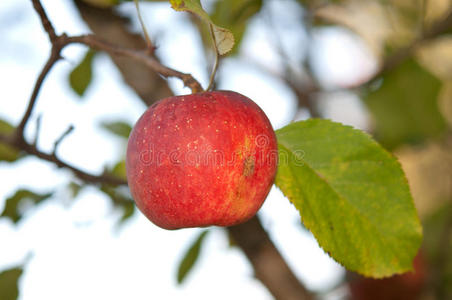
[9, 288]
[405, 106]
[7, 153]
[18, 204]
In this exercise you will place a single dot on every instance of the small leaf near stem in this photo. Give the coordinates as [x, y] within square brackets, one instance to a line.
[224, 38]
[150, 46]
[217, 57]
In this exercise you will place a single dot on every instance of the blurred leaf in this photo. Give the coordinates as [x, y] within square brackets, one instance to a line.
[121, 200]
[102, 3]
[81, 75]
[120, 196]
[316, 3]
[128, 209]
[75, 189]
[119, 170]
[6, 128]
[223, 37]
[20, 202]
[234, 15]
[190, 257]
[9, 289]
[231, 241]
[351, 194]
[7, 153]
[405, 106]
[119, 128]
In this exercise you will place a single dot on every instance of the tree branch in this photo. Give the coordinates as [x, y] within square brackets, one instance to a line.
[269, 266]
[54, 57]
[48, 27]
[61, 138]
[53, 158]
[58, 43]
[141, 56]
[61, 41]
[110, 27]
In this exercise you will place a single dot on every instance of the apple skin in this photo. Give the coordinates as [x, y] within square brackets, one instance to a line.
[202, 159]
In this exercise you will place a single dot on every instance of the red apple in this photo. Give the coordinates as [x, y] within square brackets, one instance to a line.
[202, 159]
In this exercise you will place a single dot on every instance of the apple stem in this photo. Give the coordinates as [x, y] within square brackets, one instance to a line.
[150, 46]
[217, 58]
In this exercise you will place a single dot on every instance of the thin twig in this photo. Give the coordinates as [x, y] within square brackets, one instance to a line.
[217, 58]
[61, 138]
[59, 42]
[97, 44]
[143, 27]
[33, 150]
[54, 57]
[48, 27]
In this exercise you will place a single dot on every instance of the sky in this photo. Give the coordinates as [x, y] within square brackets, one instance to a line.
[74, 249]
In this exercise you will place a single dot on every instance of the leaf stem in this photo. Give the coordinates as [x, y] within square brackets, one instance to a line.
[217, 58]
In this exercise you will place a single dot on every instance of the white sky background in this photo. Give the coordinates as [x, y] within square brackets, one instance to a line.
[77, 250]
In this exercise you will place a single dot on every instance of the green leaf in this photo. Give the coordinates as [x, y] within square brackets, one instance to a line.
[351, 194]
[9, 289]
[405, 106]
[81, 75]
[224, 38]
[119, 128]
[190, 257]
[234, 15]
[7, 153]
[20, 202]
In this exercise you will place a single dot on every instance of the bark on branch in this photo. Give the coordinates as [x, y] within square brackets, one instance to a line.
[269, 266]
